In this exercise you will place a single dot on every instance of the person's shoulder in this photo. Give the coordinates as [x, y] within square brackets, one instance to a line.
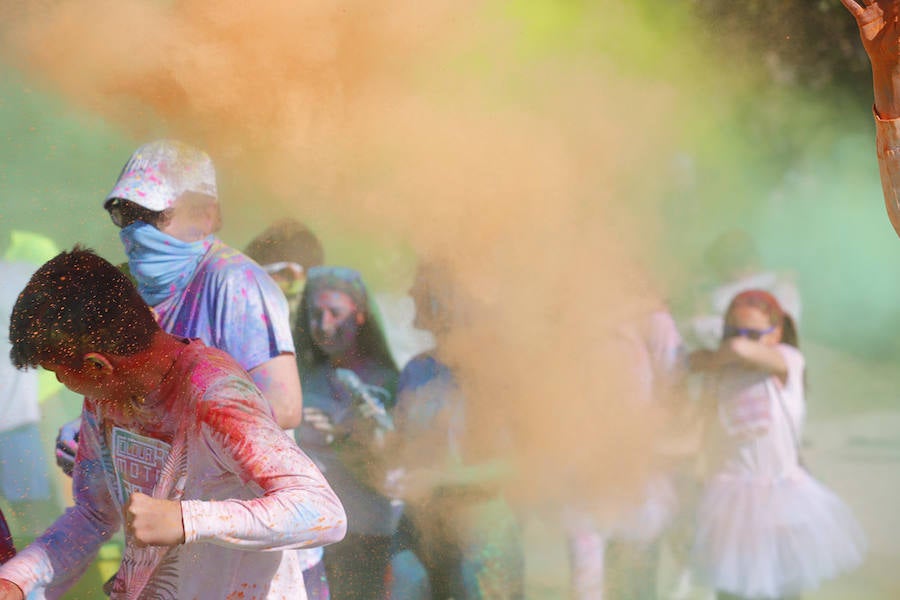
[224, 265]
[217, 378]
[792, 356]
[204, 365]
[424, 368]
[421, 362]
[222, 258]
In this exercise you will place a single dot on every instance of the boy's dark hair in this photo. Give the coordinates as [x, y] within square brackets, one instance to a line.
[287, 240]
[76, 303]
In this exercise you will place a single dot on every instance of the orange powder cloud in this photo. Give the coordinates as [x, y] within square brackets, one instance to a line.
[422, 120]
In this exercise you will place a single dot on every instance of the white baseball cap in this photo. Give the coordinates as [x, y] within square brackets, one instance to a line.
[159, 172]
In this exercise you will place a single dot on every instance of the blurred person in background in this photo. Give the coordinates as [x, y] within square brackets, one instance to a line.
[635, 539]
[287, 250]
[25, 482]
[349, 381]
[765, 527]
[732, 264]
[617, 556]
[459, 526]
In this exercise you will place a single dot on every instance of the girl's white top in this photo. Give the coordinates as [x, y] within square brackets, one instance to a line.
[761, 420]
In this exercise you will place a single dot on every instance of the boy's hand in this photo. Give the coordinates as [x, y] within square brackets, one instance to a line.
[879, 28]
[153, 522]
[10, 591]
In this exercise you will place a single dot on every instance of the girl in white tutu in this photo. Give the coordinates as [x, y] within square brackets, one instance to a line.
[765, 527]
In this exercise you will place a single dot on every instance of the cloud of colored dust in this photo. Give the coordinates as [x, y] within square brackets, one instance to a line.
[547, 151]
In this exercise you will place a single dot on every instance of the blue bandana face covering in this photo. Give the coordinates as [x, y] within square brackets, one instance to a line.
[161, 264]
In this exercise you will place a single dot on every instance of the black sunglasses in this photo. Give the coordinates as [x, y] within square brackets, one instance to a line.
[123, 213]
[751, 334]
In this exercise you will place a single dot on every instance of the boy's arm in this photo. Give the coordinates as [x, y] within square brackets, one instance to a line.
[880, 34]
[296, 508]
[10, 591]
[66, 548]
[887, 145]
[879, 31]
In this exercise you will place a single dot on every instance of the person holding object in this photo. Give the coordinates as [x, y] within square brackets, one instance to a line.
[350, 379]
[177, 444]
[459, 528]
[286, 250]
[879, 29]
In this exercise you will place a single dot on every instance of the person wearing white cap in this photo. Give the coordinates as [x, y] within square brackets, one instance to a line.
[165, 203]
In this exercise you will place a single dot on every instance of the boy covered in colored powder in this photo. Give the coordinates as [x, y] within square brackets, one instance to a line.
[177, 444]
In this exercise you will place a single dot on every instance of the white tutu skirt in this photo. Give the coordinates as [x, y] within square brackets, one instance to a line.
[760, 538]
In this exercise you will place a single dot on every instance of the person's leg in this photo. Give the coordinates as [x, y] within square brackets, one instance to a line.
[439, 552]
[491, 562]
[408, 577]
[587, 550]
[631, 570]
[356, 567]
[678, 539]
